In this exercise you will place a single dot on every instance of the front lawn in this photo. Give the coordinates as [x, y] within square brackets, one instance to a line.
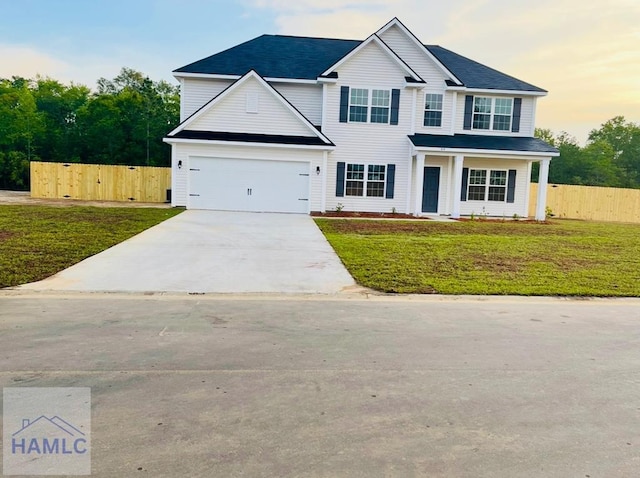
[38, 241]
[560, 257]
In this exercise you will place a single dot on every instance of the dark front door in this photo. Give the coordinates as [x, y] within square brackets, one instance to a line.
[430, 189]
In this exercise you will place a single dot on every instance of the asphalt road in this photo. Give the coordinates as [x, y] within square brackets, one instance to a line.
[220, 386]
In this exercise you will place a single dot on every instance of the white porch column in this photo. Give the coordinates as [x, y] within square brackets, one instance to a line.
[458, 161]
[543, 179]
[419, 178]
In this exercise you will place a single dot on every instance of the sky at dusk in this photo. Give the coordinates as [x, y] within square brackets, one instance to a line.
[586, 53]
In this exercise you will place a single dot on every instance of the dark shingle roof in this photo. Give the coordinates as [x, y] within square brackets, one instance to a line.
[250, 137]
[278, 56]
[472, 141]
[476, 75]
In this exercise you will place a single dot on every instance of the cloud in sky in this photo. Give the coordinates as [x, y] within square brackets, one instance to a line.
[587, 54]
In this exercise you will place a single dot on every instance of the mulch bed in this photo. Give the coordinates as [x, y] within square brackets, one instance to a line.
[366, 215]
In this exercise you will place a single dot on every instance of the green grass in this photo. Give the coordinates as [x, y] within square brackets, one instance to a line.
[38, 241]
[560, 257]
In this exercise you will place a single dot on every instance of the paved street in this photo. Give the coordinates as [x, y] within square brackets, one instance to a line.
[441, 387]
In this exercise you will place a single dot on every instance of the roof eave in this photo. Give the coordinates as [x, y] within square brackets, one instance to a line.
[488, 152]
[320, 147]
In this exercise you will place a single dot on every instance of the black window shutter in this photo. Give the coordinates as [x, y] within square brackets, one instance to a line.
[340, 181]
[395, 106]
[465, 183]
[517, 108]
[468, 111]
[511, 186]
[391, 178]
[344, 104]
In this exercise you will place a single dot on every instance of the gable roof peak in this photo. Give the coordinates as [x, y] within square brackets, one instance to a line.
[374, 38]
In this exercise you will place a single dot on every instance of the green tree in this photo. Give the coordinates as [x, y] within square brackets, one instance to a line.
[624, 138]
[58, 104]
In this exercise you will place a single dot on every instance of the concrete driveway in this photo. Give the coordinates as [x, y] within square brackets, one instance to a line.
[213, 251]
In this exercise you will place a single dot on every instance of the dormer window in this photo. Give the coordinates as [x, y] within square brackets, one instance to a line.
[492, 113]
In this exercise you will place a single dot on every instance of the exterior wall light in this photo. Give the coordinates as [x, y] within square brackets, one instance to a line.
[179, 164]
[318, 170]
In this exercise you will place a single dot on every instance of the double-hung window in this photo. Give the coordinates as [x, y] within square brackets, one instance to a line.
[495, 189]
[359, 105]
[492, 113]
[380, 103]
[365, 180]
[477, 184]
[372, 108]
[375, 180]
[433, 110]
[355, 180]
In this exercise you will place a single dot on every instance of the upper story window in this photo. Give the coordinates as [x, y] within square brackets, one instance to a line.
[361, 103]
[492, 113]
[364, 105]
[380, 101]
[433, 110]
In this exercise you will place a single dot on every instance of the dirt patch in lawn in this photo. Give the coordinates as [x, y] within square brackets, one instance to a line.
[506, 228]
[4, 235]
[368, 215]
[24, 198]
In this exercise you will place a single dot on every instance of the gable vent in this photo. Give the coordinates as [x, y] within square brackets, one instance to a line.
[253, 100]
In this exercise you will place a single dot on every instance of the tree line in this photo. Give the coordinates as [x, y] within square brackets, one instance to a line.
[611, 156]
[122, 122]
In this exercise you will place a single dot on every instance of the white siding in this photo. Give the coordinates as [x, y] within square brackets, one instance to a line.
[230, 114]
[494, 208]
[306, 98]
[415, 57]
[196, 92]
[182, 152]
[367, 143]
[526, 117]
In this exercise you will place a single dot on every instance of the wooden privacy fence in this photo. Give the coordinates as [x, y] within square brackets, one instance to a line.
[99, 182]
[590, 202]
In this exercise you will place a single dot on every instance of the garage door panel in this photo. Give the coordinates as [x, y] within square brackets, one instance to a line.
[248, 185]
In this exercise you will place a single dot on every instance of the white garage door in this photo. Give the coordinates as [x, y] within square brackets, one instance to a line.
[248, 185]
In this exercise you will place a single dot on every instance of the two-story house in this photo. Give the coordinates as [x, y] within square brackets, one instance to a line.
[298, 124]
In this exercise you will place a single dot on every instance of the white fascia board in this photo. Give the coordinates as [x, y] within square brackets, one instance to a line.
[326, 80]
[207, 76]
[479, 153]
[378, 41]
[292, 108]
[244, 143]
[214, 76]
[269, 88]
[488, 91]
[415, 40]
[211, 102]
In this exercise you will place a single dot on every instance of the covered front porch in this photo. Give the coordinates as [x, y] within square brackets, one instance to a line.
[482, 176]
